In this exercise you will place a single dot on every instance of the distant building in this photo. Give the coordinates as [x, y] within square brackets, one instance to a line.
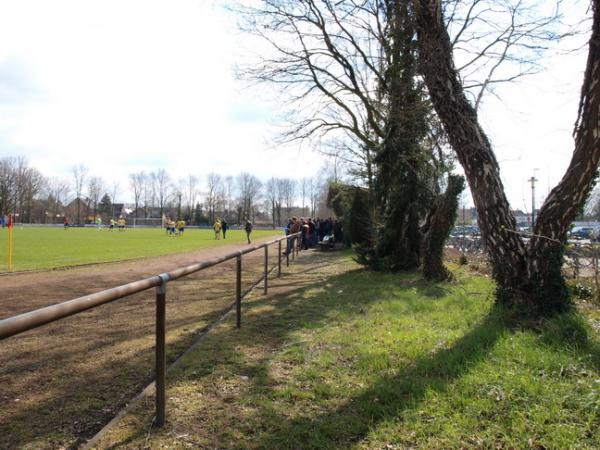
[73, 207]
[119, 210]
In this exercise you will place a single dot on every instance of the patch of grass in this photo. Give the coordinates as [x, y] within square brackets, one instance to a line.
[371, 360]
[48, 248]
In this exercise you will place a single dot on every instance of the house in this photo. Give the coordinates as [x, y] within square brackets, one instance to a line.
[77, 210]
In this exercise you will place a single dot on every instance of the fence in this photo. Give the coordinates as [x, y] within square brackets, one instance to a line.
[582, 260]
[23, 322]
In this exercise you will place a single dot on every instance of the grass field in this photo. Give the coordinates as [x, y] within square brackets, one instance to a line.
[48, 248]
[352, 359]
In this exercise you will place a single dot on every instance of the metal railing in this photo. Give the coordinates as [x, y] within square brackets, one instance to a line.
[24, 322]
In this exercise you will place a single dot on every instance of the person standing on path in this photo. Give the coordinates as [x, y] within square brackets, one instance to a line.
[248, 229]
[293, 227]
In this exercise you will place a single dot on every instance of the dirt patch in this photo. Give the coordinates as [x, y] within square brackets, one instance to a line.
[71, 377]
[477, 263]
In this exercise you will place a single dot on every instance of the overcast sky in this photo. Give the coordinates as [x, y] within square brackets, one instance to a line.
[124, 86]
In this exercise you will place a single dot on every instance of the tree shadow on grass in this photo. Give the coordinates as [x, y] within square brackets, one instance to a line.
[571, 332]
[389, 396]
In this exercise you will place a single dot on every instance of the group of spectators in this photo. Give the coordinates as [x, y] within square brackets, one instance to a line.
[314, 231]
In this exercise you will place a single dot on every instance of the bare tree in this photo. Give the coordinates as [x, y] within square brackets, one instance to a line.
[148, 194]
[272, 200]
[287, 189]
[8, 180]
[59, 190]
[114, 189]
[330, 60]
[280, 198]
[528, 274]
[161, 186]
[19, 187]
[79, 176]
[304, 186]
[249, 189]
[327, 61]
[500, 41]
[189, 186]
[314, 190]
[30, 183]
[213, 188]
[229, 188]
[95, 189]
[137, 182]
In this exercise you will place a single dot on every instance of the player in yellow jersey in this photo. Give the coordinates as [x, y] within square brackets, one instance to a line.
[217, 228]
[180, 226]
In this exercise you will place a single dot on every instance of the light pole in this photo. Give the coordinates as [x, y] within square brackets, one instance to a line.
[532, 180]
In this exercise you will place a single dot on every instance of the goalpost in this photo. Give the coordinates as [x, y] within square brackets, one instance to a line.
[155, 222]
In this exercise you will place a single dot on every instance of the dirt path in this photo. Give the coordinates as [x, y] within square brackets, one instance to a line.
[24, 291]
[72, 376]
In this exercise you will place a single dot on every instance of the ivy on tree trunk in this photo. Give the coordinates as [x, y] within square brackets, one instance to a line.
[402, 178]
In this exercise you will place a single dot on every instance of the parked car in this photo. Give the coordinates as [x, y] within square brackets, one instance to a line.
[590, 233]
[465, 230]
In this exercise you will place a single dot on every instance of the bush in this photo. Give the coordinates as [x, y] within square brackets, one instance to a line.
[463, 261]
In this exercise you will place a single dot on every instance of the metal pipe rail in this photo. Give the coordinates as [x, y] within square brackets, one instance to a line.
[27, 321]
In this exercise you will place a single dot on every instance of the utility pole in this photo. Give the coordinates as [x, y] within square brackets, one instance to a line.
[532, 180]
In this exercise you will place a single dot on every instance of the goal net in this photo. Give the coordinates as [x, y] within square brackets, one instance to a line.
[156, 222]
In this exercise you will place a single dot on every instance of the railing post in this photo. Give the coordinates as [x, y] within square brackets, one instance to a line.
[279, 259]
[266, 274]
[238, 291]
[161, 359]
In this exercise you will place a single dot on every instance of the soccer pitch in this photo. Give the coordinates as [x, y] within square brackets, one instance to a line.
[48, 248]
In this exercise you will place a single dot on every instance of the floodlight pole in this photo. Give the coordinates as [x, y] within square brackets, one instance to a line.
[532, 180]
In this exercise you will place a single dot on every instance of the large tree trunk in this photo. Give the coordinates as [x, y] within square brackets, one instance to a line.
[525, 276]
[442, 219]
